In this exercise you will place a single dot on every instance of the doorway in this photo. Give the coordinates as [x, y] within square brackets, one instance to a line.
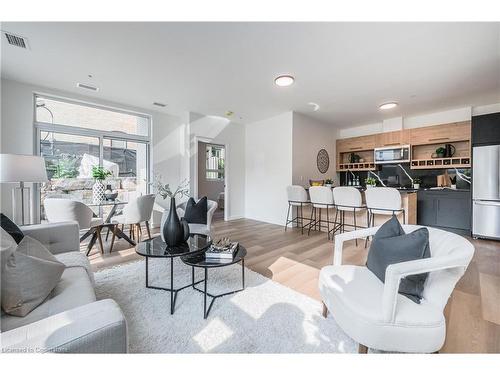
[212, 175]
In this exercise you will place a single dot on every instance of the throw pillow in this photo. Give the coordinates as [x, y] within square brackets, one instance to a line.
[7, 247]
[10, 227]
[196, 212]
[31, 272]
[393, 247]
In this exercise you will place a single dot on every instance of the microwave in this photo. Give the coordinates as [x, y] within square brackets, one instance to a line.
[392, 154]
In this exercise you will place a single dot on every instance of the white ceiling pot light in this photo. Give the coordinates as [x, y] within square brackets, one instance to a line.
[388, 105]
[314, 106]
[284, 80]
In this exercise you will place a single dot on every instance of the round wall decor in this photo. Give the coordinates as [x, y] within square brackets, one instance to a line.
[323, 161]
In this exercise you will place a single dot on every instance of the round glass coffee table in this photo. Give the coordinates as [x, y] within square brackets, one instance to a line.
[157, 248]
[199, 260]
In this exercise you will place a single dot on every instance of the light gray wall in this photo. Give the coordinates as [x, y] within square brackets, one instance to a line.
[310, 136]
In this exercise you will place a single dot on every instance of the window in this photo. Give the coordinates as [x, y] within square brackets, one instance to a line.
[215, 156]
[74, 137]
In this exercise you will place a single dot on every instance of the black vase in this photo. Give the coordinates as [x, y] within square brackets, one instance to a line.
[175, 231]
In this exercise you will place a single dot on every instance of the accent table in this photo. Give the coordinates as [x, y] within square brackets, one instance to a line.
[199, 260]
[157, 248]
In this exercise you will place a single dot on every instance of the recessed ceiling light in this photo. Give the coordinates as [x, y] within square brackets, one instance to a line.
[284, 80]
[388, 105]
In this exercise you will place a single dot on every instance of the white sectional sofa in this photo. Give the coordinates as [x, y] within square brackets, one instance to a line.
[70, 320]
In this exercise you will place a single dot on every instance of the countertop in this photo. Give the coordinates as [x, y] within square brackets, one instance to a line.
[412, 190]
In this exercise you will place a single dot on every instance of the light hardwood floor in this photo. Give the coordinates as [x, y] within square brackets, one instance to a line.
[294, 260]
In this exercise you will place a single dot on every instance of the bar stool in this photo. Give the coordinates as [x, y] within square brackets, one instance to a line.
[297, 197]
[321, 197]
[347, 199]
[382, 201]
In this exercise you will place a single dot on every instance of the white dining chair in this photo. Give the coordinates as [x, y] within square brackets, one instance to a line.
[321, 198]
[347, 199]
[375, 315]
[297, 198]
[63, 209]
[136, 212]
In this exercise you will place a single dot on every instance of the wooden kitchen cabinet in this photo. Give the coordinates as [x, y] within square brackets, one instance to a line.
[366, 142]
[445, 133]
[395, 138]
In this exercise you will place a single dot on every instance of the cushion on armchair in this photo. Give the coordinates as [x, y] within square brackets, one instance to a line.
[196, 212]
[392, 245]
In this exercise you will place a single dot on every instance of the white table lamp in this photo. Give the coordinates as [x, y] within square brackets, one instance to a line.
[21, 169]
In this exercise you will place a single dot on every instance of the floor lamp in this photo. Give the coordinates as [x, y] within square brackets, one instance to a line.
[21, 169]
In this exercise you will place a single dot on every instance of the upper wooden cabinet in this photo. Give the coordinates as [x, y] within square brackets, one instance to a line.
[395, 138]
[366, 142]
[454, 132]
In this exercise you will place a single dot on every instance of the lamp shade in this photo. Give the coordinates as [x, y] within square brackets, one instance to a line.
[22, 168]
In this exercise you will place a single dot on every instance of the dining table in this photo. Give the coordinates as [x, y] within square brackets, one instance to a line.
[95, 231]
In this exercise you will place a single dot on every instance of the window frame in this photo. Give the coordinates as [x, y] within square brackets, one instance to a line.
[39, 127]
[207, 170]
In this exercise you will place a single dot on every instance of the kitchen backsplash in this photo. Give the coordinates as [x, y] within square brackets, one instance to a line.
[392, 175]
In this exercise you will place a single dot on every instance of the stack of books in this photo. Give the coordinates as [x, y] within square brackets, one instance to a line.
[222, 250]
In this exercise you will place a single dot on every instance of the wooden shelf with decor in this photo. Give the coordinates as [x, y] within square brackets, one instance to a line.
[440, 163]
[356, 167]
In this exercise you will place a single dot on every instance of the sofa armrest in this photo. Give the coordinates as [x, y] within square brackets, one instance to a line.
[97, 327]
[57, 237]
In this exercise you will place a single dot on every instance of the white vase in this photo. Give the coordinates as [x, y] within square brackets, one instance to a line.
[416, 186]
[370, 186]
[98, 192]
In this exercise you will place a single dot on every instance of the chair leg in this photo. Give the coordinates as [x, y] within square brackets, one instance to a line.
[368, 226]
[287, 215]
[328, 223]
[355, 226]
[147, 229]
[362, 349]
[311, 221]
[301, 219]
[114, 228]
[131, 232]
[139, 232]
[99, 238]
[107, 235]
[325, 310]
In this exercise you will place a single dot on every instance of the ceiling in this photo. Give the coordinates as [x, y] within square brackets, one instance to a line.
[210, 68]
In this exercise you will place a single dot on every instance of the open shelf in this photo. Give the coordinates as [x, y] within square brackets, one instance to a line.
[441, 163]
[368, 166]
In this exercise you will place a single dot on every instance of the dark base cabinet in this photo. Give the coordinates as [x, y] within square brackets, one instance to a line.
[445, 209]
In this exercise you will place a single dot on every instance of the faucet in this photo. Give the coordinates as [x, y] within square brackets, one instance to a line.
[378, 178]
[462, 176]
[406, 173]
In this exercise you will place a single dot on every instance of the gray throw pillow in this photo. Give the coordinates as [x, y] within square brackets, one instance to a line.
[29, 274]
[391, 246]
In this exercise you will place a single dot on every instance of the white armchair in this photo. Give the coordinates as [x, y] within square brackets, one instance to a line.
[199, 228]
[375, 315]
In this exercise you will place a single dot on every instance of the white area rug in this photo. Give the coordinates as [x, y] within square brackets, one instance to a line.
[264, 318]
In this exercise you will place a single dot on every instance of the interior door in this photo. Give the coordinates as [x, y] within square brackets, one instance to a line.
[486, 169]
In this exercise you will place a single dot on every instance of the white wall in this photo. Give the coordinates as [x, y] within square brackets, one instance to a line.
[220, 130]
[268, 161]
[310, 136]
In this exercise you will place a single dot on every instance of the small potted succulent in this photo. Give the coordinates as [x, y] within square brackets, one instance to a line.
[329, 182]
[99, 174]
[416, 183]
[370, 182]
[440, 152]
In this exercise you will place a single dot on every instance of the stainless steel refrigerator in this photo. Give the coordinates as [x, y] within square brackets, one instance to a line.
[486, 191]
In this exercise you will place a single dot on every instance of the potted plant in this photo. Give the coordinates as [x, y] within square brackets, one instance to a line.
[99, 174]
[416, 183]
[173, 230]
[453, 182]
[329, 182]
[440, 152]
[370, 182]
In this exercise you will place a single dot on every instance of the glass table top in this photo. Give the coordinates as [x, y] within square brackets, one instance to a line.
[199, 259]
[156, 248]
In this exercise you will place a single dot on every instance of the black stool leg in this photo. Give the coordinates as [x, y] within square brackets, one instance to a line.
[287, 215]
[355, 227]
[301, 219]
[310, 221]
[327, 223]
